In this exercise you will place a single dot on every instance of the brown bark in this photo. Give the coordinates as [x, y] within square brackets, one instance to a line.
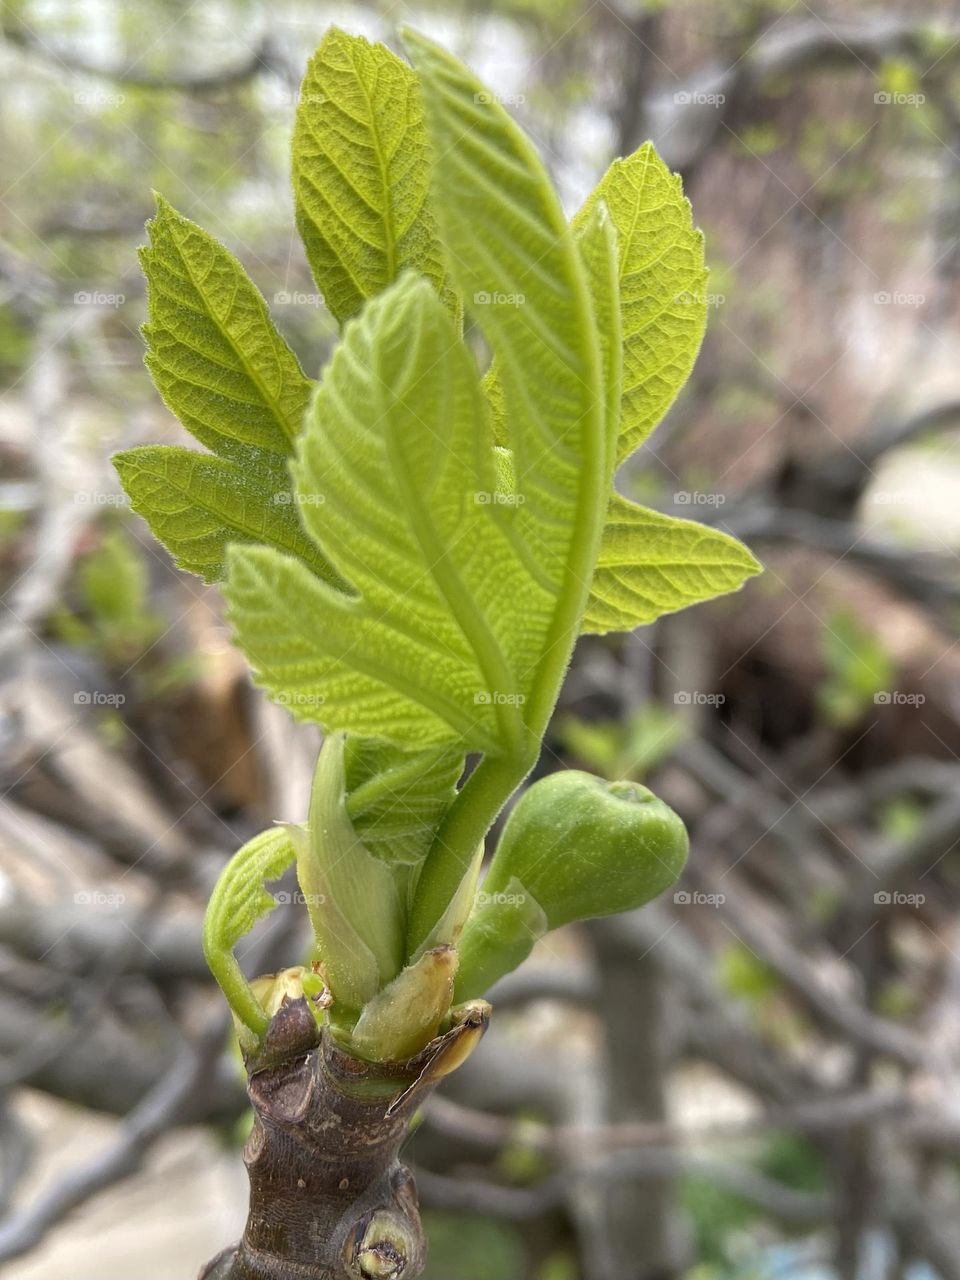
[329, 1198]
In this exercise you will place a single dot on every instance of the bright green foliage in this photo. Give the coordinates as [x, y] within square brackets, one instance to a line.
[516, 265]
[223, 369]
[237, 903]
[215, 355]
[412, 549]
[662, 287]
[435, 626]
[197, 505]
[361, 173]
[396, 798]
[627, 748]
[651, 564]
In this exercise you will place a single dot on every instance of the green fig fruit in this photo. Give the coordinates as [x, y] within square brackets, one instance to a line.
[586, 847]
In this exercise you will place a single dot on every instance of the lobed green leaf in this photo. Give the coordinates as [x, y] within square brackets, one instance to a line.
[651, 564]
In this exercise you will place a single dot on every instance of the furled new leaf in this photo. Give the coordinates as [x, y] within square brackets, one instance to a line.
[651, 564]
[238, 901]
[361, 173]
[517, 267]
[662, 277]
[396, 798]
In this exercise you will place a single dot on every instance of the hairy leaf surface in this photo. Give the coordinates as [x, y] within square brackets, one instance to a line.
[214, 352]
[238, 901]
[651, 564]
[396, 798]
[662, 286]
[515, 262]
[197, 504]
[397, 457]
[361, 173]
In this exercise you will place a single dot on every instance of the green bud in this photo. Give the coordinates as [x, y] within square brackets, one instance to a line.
[406, 1015]
[355, 902]
[586, 847]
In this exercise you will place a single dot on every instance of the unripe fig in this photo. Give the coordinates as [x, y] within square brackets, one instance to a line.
[582, 847]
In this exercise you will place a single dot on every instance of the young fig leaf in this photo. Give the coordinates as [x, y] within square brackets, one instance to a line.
[238, 901]
[361, 173]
